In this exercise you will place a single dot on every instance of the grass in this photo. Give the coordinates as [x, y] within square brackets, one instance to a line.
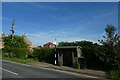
[0, 56]
[20, 60]
[114, 74]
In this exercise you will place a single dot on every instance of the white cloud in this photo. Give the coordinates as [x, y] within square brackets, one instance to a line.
[50, 34]
[72, 39]
[40, 35]
[44, 37]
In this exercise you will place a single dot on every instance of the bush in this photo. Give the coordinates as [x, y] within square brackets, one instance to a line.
[44, 55]
[17, 48]
[114, 74]
[76, 65]
[15, 52]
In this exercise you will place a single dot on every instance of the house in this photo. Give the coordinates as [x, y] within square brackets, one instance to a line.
[68, 55]
[30, 45]
[49, 45]
[1, 40]
[1, 43]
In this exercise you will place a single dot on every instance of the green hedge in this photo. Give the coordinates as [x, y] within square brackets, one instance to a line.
[44, 55]
[76, 65]
[15, 52]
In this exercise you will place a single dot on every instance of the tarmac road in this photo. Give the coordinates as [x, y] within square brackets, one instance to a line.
[17, 70]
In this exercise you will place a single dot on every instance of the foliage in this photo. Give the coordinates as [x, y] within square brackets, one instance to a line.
[106, 56]
[110, 50]
[20, 60]
[76, 65]
[0, 51]
[17, 42]
[16, 48]
[114, 74]
[89, 50]
[44, 54]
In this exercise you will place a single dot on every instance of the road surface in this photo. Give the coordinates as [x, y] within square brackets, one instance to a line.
[17, 70]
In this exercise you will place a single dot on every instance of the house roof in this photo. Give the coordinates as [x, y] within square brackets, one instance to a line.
[28, 41]
[49, 43]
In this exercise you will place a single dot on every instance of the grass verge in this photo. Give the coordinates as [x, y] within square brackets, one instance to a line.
[114, 75]
[20, 60]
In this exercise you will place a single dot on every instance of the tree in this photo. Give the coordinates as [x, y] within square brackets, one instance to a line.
[16, 47]
[110, 50]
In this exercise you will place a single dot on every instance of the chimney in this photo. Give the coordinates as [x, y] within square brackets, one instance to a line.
[24, 35]
[3, 35]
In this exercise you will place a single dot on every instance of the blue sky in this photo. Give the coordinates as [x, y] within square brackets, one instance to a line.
[64, 21]
[0, 17]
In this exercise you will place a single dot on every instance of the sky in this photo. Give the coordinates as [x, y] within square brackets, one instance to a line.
[64, 21]
[60, 0]
[0, 17]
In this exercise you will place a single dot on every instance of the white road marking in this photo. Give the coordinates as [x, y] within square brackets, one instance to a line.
[8, 71]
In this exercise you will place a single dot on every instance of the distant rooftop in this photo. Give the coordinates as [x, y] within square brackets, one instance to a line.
[49, 43]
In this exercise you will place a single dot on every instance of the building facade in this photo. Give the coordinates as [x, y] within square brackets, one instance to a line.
[49, 45]
[30, 44]
[1, 40]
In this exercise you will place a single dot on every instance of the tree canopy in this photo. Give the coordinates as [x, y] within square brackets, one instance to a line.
[110, 50]
[89, 50]
[16, 47]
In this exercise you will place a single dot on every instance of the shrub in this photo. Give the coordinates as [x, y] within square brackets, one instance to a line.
[114, 74]
[76, 65]
[15, 52]
[44, 55]
[15, 48]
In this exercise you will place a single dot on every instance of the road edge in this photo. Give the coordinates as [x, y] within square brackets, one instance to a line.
[58, 70]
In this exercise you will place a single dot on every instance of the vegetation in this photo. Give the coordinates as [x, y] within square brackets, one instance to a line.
[114, 74]
[110, 51]
[20, 60]
[89, 50]
[103, 56]
[0, 53]
[44, 55]
[16, 48]
[76, 65]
